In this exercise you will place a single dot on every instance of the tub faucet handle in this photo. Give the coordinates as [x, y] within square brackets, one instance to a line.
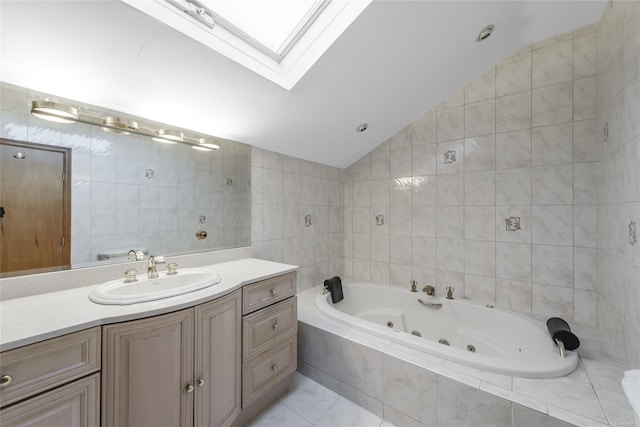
[130, 276]
[414, 285]
[450, 292]
[429, 290]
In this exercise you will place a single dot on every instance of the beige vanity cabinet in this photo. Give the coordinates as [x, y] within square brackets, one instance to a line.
[52, 383]
[269, 329]
[174, 369]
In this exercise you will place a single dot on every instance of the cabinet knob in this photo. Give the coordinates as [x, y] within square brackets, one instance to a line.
[5, 380]
[201, 382]
[190, 388]
[274, 367]
[273, 292]
[275, 326]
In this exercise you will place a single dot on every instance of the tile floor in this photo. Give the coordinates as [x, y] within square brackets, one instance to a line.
[310, 404]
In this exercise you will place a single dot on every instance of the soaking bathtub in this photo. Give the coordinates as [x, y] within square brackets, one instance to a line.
[485, 338]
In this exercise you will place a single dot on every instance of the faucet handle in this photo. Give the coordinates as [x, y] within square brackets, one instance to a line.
[450, 292]
[414, 285]
[172, 268]
[130, 276]
[159, 259]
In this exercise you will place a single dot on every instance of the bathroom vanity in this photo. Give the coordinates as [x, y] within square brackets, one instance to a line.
[213, 356]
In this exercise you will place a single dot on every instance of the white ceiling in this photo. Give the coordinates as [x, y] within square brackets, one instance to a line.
[396, 61]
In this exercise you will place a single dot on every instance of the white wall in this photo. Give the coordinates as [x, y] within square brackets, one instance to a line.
[619, 178]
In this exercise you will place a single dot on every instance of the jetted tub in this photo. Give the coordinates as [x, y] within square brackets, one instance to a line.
[484, 338]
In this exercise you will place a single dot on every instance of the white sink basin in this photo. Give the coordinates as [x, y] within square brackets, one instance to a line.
[145, 289]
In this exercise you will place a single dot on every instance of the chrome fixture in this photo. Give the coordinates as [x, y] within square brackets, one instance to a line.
[390, 324]
[135, 255]
[471, 348]
[130, 276]
[430, 290]
[430, 304]
[172, 268]
[362, 127]
[54, 111]
[168, 136]
[416, 333]
[201, 235]
[119, 126]
[414, 286]
[485, 33]
[63, 113]
[443, 341]
[561, 348]
[450, 292]
[152, 272]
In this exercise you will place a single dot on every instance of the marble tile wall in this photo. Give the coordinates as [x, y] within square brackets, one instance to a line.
[618, 181]
[297, 215]
[493, 191]
[129, 191]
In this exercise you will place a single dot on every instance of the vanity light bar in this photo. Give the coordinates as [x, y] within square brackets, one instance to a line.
[62, 113]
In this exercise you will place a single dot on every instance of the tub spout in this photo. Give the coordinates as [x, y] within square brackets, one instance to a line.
[430, 304]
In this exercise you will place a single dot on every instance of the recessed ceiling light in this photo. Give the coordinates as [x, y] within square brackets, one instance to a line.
[362, 127]
[485, 33]
[54, 111]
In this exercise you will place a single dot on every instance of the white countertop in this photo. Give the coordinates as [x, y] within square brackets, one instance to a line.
[39, 317]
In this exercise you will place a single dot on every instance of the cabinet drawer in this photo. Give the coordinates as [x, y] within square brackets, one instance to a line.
[38, 367]
[266, 327]
[76, 404]
[259, 374]
[266, 292]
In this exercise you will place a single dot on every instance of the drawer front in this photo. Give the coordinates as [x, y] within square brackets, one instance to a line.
[269, 326]
[259, 374]
[76, 404]
[266, 292]
[39, 367]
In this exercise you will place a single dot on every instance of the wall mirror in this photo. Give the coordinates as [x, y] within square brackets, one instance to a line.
[105, 194]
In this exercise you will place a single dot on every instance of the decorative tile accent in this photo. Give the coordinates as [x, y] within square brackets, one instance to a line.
[449, 157]
[379, 220]
[633, 237]
[513, 223]
[307, 220]
[150, 174]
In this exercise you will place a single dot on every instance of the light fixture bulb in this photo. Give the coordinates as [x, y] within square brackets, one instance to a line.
[203, 142]
[54, 111]
[168, 136]
[201, 148]
[118, 126]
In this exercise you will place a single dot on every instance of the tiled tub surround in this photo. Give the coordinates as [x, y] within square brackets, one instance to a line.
[128, 191]
[618, 183]
[409, 388]
[297, 214]
[492, 192]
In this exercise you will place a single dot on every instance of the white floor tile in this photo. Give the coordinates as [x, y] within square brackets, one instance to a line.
[278, 415]
[307, 398]
[345, 413]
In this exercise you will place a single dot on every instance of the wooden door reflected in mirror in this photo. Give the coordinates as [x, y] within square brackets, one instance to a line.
[35, 201]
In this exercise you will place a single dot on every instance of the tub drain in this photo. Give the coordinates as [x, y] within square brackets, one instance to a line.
[416, 333]
[390, 324]
[443, 341]
[471, 348]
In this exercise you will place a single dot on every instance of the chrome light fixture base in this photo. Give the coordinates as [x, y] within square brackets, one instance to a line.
[118, 126]
[54, 111]
[168, 136]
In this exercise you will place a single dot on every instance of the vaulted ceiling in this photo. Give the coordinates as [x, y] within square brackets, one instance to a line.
[397, 60]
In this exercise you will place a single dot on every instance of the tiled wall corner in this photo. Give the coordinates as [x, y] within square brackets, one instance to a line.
[297, 215]
[493, 191]
[618, 178]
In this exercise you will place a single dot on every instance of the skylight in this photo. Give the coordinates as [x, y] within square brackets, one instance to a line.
[274, 25]
[278, 39]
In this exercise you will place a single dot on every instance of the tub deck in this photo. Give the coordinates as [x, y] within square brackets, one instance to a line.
[385, 377]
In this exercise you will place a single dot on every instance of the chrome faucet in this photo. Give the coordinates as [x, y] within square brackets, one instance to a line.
[414, 285]
[153, 261]
[430, 290]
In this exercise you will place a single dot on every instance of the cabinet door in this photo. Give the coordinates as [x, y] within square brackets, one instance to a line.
[147, 368]
[218, 361]
[72, 405]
